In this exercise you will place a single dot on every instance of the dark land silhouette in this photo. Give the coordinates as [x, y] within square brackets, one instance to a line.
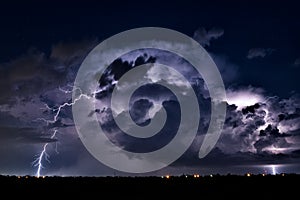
[152, 187]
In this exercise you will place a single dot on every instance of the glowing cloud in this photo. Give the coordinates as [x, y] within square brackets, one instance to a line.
[243, 98]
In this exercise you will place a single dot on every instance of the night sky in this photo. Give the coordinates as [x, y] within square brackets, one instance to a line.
[255, 45]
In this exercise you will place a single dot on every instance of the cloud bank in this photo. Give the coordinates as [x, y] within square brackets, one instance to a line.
[258, 127]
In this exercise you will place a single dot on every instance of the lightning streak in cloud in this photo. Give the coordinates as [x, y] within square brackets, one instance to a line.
[38, 162]
[65, 104]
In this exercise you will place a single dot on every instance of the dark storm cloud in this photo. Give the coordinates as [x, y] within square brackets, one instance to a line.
[27, 83]
[143, 100]
[254, 133]
[162, 138]
[34, 73]
[286, 116]
[145, 94]
[205, 36]
[238, 135]
[36, 76]
[259, 52]
[116, 70]
[27, 135]
[272, 132]
[261, 129]
[18, 76]
[59, 123]
[139, 110]
[250, 109]
[271, 136]
[240, 141]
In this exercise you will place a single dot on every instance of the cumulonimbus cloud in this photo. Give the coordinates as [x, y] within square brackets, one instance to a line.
[268, 128]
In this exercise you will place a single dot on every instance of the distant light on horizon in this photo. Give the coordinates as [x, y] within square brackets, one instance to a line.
[273, 168]
[196, 175]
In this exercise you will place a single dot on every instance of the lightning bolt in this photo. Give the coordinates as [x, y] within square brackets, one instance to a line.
[38, 162]
[65, 104]
[273, 169]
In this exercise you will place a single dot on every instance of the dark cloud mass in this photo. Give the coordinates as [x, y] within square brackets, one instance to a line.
[256, 129]
[264, 128]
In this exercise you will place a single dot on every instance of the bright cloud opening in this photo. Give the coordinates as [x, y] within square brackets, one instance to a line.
[244, 98]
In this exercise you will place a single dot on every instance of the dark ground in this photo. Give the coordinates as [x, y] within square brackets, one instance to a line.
[242, 187]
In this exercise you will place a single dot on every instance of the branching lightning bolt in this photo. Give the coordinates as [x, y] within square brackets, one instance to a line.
[38, 162]
[65, 104]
